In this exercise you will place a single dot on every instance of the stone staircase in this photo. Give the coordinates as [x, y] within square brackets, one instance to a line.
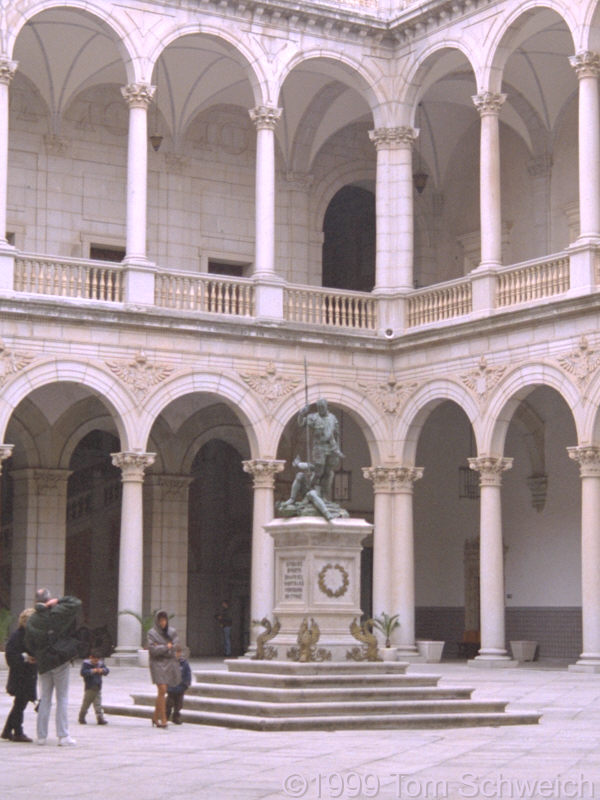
[278, 696]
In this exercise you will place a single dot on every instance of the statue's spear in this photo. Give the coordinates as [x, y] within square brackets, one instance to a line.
[306, 403]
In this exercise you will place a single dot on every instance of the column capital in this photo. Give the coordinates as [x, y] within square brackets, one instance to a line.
[49, 481]
[393, 138]
[263, 470]
[132, 465]
[8, 69]
[586, 64]
[490, 469]
[588, 458]
[265, 117]
[5, 452]
[392, 480]
[488, 103]
[138, 95]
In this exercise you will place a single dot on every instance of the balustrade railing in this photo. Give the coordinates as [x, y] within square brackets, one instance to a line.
[532, 281]
[318, 306]
[440, 302]
[205, 293]
[65, 277]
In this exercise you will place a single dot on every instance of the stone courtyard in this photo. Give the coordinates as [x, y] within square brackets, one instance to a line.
[559, 758]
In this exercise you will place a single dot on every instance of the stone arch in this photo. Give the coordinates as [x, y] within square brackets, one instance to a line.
[590, 426]
[235, 394]
[367, 84]
[104, 385]
[73, 440]
[422, 403]
[415, 83]
[515, 387]
[336, 180]
[501, 45]
[101, 11]
[260, 82]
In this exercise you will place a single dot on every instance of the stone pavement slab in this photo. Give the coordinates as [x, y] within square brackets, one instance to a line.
[559, 758]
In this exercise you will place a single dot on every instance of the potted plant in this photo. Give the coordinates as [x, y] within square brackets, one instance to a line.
[146, 622]
[387, 624]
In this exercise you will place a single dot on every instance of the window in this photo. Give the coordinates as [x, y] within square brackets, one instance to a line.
[226, 268]
[106, 252]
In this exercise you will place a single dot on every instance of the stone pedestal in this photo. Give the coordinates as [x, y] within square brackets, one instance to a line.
[317, 577]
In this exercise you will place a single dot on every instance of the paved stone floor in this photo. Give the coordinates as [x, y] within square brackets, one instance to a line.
[127, 759]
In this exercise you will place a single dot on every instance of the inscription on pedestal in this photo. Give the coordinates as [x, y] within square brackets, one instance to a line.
[293, 579]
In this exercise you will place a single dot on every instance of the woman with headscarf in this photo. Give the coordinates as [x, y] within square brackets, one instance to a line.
[164, 666]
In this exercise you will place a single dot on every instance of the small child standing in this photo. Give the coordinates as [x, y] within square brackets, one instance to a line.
[175, 693]
[92, 670]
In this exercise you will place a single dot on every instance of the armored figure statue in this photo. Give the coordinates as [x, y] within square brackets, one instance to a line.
[326, 452]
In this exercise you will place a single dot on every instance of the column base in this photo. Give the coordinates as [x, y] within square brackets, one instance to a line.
[125, 657]
[587, 662]
[492, 659]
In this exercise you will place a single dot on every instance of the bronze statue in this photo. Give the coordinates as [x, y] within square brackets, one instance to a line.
[364, 633]
[264, 651]
[326, 453]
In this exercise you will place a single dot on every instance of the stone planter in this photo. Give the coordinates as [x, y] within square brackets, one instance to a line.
[430, 649]
[523, 650]
[388, 653]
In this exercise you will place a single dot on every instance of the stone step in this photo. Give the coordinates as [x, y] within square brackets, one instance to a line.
[349, 722]
[309, 680]
[317, 667]
[366, 692]
[339, 709]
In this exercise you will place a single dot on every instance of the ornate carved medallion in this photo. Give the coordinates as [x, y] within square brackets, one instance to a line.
[269, 385]
[140, 375]
[388, 396]
[482, 380]
[581, 363]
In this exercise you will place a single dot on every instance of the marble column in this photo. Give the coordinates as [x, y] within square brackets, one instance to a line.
[489, 104]
[393, 550]
[394, 209]
[39, 533]
[587, 66]
[491, 554]
[588, 458]
[262, 570]
[265, 119]
[166, 554]
[138, 97]
[7, 73]
[131, 547]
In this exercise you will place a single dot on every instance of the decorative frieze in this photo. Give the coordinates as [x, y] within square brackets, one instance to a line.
[140, 375]
[581, 362]
[49, 482]
[269, 385]
[393, 138]
[390, 395]
[12, 362]
[538, 486]
[483, 379]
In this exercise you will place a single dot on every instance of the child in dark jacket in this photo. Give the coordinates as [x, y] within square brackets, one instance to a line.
[92, 670]
[175, 693]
